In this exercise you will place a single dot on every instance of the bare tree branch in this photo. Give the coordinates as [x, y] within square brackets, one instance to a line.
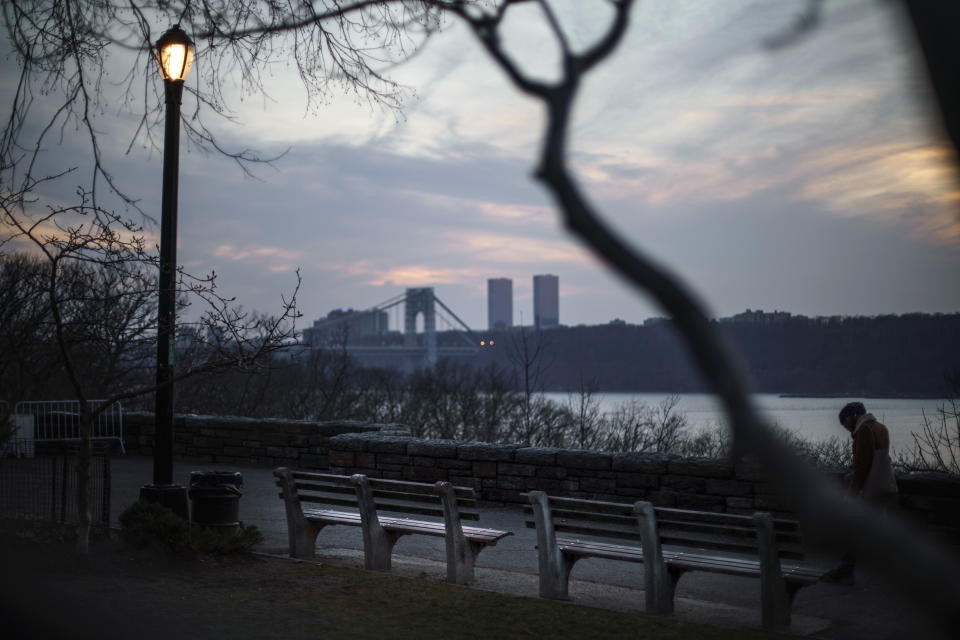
[923, 570]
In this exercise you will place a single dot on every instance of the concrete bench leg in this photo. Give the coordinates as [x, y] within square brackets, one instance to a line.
[301, 533]
[303, 540]
[659, 581]
[775, 599]
[461, 553]
[378, 549]
[377, 542]
[554, 565]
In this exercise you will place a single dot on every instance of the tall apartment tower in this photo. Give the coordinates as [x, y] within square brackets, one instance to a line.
[546, 301]
[499, 303]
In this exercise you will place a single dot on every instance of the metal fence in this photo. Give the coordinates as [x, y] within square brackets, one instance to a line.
[59, 421]
[45, 487]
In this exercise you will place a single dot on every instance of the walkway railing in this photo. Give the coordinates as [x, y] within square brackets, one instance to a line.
[45, 488]
[59, 421]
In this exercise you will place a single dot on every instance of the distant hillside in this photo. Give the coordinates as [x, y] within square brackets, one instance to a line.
[910, 354]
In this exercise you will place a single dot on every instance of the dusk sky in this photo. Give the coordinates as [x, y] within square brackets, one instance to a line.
[809, 178]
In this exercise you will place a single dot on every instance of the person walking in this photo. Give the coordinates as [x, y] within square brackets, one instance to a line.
[873, 479]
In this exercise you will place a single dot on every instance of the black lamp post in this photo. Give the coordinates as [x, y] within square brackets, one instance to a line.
[174, 53]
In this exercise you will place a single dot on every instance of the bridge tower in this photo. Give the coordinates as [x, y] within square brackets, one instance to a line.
[417, 301]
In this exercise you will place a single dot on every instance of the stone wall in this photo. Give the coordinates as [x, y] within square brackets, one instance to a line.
[500, 473]
[231, 439]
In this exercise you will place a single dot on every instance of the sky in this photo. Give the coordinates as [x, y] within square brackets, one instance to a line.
[810, 178]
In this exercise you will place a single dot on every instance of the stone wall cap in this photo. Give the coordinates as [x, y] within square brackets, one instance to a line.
[343, 423]
[486, 451]
[642, 461]
[438, 448]
[930, 483]
[584, 459]
[541, 455]
[703, 467]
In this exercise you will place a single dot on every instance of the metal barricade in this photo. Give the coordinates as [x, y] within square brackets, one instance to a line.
[39, 421]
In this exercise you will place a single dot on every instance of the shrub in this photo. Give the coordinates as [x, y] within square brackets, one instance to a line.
[152, 525]
[241, 542]
[937, 446]
[148, 524]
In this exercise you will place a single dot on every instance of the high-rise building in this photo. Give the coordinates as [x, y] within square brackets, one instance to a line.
[499, 303]
[340, 325]
[546, 301]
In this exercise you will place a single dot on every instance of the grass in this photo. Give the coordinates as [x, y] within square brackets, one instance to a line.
[120, 592]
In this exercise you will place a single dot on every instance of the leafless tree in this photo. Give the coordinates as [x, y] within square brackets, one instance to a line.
[587, 421]
[937, 446]
[527, 353]
[64, 51]
[498, 400]
[25, 340]
[638, 426]
[98, 289]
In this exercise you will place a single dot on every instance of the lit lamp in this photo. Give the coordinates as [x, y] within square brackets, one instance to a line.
[174, 53]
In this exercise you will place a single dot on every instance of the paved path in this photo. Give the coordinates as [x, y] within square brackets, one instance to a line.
[866, 610]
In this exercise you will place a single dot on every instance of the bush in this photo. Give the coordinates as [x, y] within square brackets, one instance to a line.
[242, 542]
[152, 525]
[148, 524]
[937, 446]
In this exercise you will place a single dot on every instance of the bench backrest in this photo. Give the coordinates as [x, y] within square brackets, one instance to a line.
[391, 497]
[589, 518]
[681, 528]
[676, 528]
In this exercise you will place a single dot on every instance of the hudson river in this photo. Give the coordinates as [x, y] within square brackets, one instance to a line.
[812, 418]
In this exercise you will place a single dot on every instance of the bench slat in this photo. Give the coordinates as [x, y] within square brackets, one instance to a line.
[599, 518]
[736, 566]
[390, 497]
[603, 550]
[339, 500]
[404, 486]
[724, 538]
[587, 529]
[589, 505]
[305, 485]
[322, 477]
[744, 530]
[732, 519]
[348, 500]
[332, 517]
[329, 516]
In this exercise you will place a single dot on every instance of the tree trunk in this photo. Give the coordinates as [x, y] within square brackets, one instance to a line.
[84, 455]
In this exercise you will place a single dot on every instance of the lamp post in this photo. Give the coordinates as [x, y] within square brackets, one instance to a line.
[174, 52]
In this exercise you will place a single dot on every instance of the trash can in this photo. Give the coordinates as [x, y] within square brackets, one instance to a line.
[215, 499]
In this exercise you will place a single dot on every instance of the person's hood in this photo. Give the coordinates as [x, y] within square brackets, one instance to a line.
[865, 418]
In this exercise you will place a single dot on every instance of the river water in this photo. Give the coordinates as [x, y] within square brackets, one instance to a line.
[812, 418]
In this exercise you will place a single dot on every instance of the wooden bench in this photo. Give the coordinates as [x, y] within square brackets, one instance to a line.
[382, 509]
[671, 542]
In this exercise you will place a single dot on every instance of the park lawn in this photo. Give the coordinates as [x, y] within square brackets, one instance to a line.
[121, 593]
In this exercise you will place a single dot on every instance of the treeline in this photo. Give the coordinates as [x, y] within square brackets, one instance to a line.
[455, 401]
[905, 355]
[448, 401]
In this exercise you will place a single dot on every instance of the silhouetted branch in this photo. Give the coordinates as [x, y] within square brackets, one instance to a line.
[923, 570]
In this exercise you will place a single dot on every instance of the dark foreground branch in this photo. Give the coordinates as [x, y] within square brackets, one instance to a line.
[925, 572]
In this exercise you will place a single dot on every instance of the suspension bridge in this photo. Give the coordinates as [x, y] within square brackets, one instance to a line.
[367, 336]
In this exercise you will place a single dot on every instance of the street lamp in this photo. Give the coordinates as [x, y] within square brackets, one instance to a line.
[174, 52]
